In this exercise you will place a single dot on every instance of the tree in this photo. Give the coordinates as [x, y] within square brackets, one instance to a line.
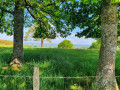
[18, 32]
[96, 45]
[65, 44]
[42, 33]
[37, 9]
[39, 32]
[15, 12]
[106, 67]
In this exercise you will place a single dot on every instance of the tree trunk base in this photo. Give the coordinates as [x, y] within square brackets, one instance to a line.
[15, 64]
[15, 61]
[106, 83]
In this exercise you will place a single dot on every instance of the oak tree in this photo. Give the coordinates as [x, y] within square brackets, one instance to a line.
[80, 15]
[17, 9]
[38, 32]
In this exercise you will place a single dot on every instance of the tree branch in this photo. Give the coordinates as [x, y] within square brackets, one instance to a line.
[31, 13]
[38, 6]
[4, 10]
[28, 4]
[4, 2]
[34, 16]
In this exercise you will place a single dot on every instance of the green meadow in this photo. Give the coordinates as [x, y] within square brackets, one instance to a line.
[52, 62]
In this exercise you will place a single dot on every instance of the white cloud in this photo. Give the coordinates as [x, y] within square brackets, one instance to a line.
[75, 40]
[57, 40]
[72, 38]
[81, 41]
[5, 37]
[73, 35]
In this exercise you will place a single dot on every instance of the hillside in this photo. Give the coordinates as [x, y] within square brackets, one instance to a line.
[6, 42]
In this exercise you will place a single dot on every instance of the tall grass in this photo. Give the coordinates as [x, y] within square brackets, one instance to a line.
[53, 63]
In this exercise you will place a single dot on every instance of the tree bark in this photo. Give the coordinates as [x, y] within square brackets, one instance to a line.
[18, 33]
[42, 42]
[106, 68]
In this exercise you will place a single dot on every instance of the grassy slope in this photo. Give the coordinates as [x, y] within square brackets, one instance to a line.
[81, 62]
[56, 62]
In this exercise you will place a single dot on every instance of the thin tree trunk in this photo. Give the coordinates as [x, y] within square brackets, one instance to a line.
[106, 69]
[18, 34]
[42, 42]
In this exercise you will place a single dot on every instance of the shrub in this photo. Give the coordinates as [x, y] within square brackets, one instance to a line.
[65, 44]
[95, 45]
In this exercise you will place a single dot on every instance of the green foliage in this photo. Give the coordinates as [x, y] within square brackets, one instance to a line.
[88, 18]
[39, 31]
[65, 44]
[88, 13]
[44, 11]
[97, 1]
[95, 45]
[7, 17]
[75, 87]
[42, 32]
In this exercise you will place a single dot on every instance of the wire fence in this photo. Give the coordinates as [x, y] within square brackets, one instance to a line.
[14, 82]
[25, 82]
[52, 77]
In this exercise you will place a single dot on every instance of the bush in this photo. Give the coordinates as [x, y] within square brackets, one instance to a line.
[65, 44]
[95, 45]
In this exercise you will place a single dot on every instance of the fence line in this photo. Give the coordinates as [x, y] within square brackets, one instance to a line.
[36, 77]
[50, 77]
[16, 76]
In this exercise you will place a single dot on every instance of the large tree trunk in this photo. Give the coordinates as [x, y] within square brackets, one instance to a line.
[18, 34]
[42, 42]
[106, 69]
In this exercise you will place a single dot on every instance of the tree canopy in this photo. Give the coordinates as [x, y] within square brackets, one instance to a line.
[66, 44]
[87, 16]
[45, 11]
[15, 13]
[42, 32]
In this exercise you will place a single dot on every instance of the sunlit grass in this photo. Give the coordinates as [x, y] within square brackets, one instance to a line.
[2, 45]
[53, 62]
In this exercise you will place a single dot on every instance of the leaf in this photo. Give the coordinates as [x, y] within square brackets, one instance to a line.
[72, 1]
[86, 1]
[23, 84]
[47, 2]
[57, 2]
[115, 1]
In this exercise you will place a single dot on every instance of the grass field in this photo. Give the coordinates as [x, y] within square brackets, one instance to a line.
[53, 63]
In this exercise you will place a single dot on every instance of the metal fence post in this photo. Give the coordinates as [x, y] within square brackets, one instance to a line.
[36, 78]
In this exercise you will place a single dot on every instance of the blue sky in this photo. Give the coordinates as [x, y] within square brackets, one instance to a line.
[72, 38]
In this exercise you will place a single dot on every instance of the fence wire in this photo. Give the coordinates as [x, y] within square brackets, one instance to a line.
[53, 77]
[13, 82]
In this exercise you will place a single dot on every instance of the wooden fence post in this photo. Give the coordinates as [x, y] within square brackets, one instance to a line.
[36, 78]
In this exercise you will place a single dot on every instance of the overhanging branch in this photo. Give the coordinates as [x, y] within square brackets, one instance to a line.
[38, 6]
[4, 10]
[31, 13]
[35, 17]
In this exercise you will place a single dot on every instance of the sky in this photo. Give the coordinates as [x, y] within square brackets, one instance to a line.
[75, 40]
